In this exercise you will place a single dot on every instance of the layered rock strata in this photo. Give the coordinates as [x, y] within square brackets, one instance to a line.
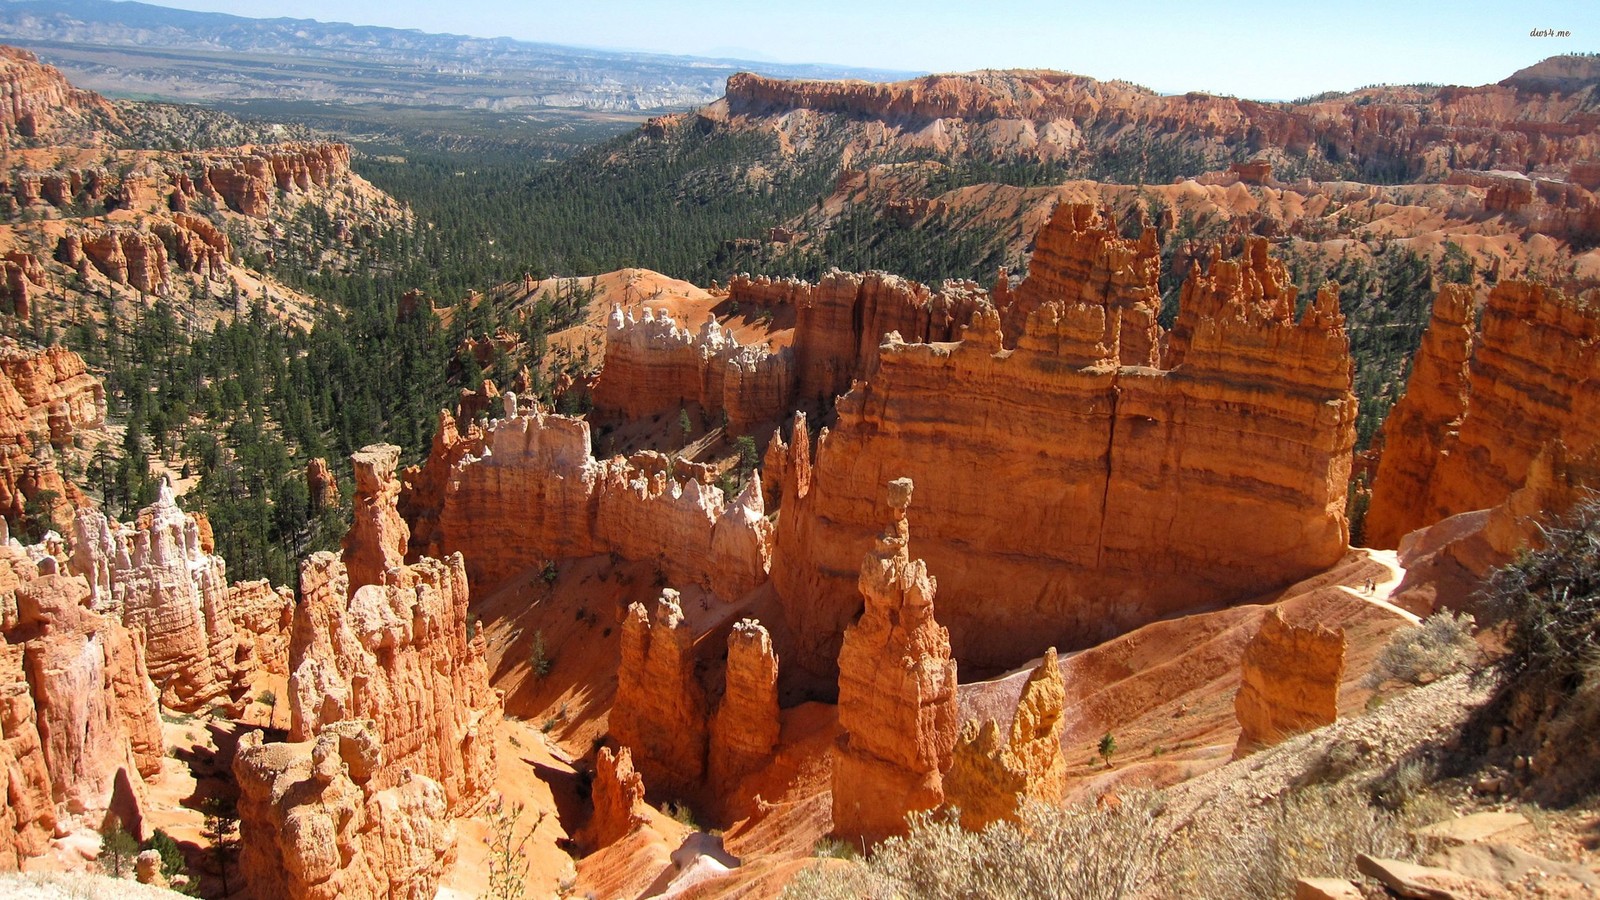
[660, 708]
[156, 578]
[36, 100]
[991, 776]
[897, 692]
[1480, 407]
[46, 397]
[395, 651]
[1233, 462]
[744, 733]
[1288, 682]
[79, 728]
[525, 489]
[653, 366]
[315, 824]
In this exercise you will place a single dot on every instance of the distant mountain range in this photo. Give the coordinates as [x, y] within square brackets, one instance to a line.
[139, 50]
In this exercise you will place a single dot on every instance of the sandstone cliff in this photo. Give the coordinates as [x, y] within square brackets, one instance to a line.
[46, 396]
[315, 824]
[660, 709]
[525, 489]
[156, 578]
[1059, 472]
[1288, 682]
[80, 729]
[897, 692]
[36, 102]
[990, 776]
[1480, 407]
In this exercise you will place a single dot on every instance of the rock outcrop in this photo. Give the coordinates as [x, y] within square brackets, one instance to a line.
[80, 728]
[897, 692]
[745, 731]
[653, 366]
[1464, 441]
[1288, 682]
[396, 652]
[155, 577]
[991, 776]
[660, 708]
[262, 617]
[249, 178]
[619, 805]
[315, 824]
[525, 489]
[1108, 495]
[321, 485]
[125, 255]
[36, 102]
[46, 397]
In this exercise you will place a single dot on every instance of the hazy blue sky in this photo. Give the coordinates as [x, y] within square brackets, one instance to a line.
[1255, 48]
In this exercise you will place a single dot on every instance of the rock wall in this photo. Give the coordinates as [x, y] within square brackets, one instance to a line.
[248, 179]
[897, 692]
[80, 724]
[660, 709]
[526, 489]
[36, 101]
[1104, 495]
[46, 396]
[315, 825]
[653, 366]
[1455, 444]
[123, 254]
[989, 777]
[1288, 682]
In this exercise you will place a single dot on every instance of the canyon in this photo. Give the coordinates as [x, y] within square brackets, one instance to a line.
[794, 564]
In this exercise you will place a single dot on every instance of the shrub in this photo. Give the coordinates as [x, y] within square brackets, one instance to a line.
[539, 659]
[1422, 654]
[1079, 852]
[117, 849]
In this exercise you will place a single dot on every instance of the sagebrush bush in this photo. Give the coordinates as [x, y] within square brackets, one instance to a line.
[1315, 832]
[1079, 852]
[1422, 654]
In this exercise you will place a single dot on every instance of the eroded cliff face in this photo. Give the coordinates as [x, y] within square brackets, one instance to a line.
[316, 825]
[157, 578]
[36, 102]
[1109, 495]
[1480, 407]
[81, 731]
[526, 489]
[897, 691]
[46, 396]
[990, 776]
[1523, 122]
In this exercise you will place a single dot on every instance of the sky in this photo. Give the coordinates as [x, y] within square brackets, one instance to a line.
[1262, 50]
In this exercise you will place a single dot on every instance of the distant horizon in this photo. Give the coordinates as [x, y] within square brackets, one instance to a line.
[1255, 49]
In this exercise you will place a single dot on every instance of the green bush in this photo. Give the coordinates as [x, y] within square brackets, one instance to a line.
[1422, 654]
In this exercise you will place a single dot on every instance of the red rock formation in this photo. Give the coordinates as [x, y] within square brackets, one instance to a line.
[619, 805]
[36, 100]
[394, 651]
[653, 366]
[262, 617]
[741, 545]
[897, 692]
[1455, 444]
[1522, 123]
[1108, 496]
[1081, 261]
[321, 485]
[124, 255]
[195, 245]
[20, 271]
[248, 179]
[526, 490]
[1288, 682]
[155, 578]
[28, 817]
[315, 823]
[745, 730]
[660, 708]
[377, 539]
[97, 731]
[42, 393]
[988, 779]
